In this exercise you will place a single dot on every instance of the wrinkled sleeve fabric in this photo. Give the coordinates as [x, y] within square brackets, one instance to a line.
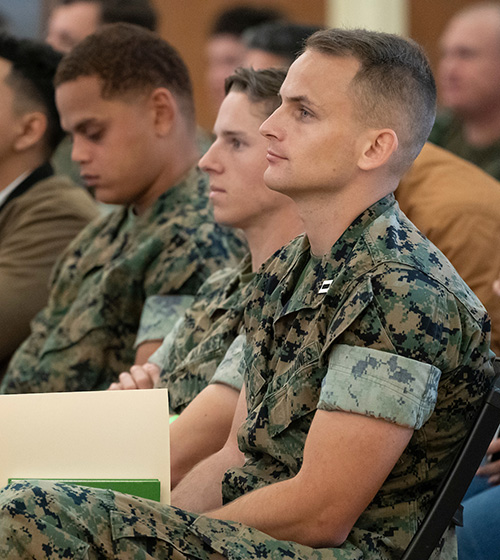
[379, 384]
[159, 316]
[228, 370]
[158, 358]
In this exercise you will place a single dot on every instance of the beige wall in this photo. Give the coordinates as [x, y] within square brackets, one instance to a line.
[390, 16]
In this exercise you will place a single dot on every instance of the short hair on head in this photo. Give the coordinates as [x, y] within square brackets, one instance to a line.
[260, 86]
[235, 20]
[129, 59]
[394, 86]
[138, 12]
[34, 66]
[280, 38]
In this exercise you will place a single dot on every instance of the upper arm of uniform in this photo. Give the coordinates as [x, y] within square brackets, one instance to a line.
[388, 365]
[417, 315]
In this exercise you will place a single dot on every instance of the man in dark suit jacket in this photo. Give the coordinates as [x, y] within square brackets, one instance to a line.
[39, 212]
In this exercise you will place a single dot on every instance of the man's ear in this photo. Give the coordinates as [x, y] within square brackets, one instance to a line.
[165, 108]
[32, 127]
[378, 147]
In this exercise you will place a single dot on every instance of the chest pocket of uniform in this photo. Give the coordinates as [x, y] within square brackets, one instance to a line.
[298, 392]
[253, 379]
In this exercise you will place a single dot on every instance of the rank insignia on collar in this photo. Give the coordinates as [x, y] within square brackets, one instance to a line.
[324, 287]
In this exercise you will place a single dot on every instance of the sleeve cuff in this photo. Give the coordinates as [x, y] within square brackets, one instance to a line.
[159, 315]
[379, 384]
[227, 371]
[161, 355]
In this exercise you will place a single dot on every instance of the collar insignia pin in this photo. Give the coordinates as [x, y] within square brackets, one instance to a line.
[324, 287]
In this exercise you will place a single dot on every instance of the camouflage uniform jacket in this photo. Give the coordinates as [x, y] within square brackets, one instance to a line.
[191, 353]
[85, 335]
[396, 334]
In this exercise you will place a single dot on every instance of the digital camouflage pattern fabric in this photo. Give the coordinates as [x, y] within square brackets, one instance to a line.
[383, 294]
[85, 335]
[416, 332]
[190, 356]
[53, 521]
[160, 316]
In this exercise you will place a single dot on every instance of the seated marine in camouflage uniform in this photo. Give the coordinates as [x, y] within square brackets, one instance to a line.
[365, 361]
[134, 136]
[191, 354]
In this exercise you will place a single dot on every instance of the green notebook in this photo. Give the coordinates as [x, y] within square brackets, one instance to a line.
[148, 488]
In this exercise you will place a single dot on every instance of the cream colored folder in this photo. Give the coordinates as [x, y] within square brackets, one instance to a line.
[97, 434]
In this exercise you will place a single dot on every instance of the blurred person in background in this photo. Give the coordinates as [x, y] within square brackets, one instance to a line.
[225, 49]
[468, 83]
[275, 44]
[72, 20]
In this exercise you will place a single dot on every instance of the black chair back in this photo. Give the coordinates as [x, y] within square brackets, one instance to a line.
[446, 506]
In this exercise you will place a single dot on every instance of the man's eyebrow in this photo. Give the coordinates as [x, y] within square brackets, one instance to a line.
[300, 99]
[228, 133]
[84, 124]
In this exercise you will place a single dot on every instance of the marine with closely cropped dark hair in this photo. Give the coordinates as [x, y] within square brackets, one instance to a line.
[124, 95]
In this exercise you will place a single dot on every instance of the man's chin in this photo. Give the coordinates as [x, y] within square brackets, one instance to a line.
[106, 198]
[274, 185]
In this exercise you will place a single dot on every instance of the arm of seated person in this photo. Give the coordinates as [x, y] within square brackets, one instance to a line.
[201, 429]
[146, 350]
[147, 374]
[491, 470]
[348, 452]
[201, 489]
[161, 316]
[347, 457]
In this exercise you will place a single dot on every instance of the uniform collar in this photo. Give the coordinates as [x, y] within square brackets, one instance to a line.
[328, 277]
[242, 277]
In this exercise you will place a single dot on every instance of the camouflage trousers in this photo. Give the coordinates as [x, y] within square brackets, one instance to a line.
[55, 521]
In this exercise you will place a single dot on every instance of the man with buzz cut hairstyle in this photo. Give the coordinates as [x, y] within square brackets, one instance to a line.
[207, 339]
[40, 213]
[125, 96]
[70, 21]
[366, 356]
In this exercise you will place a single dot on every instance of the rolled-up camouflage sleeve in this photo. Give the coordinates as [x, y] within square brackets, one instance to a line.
[159, 316]
[158, 358]
[227, 371]
[379, 384]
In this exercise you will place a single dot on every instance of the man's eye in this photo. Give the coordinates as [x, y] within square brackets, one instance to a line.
[95, 136]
